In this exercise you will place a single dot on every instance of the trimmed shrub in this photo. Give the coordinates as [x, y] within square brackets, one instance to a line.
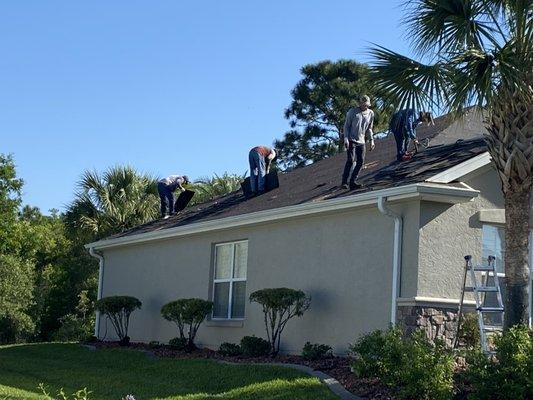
[413, 367]
[507, 376]
[316, 351]
[279, 305]
[230, 349]
[469, 336]
[191, 312]
[252, 346]
[178, 343]
[118, 309]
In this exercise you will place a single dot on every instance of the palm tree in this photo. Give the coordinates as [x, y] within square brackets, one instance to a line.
[113, 202]
[477, 52]
[219, 185]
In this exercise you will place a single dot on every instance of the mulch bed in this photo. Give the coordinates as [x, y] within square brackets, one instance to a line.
[336, 367]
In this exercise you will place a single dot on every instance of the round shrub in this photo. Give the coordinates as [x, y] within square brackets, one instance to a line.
[252, 346]
[229, 349]
[191, 312]
[316, 351]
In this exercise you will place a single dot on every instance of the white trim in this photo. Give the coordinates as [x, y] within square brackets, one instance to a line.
[422, 300]
[460, 170]
[422, 191]
[100, 259]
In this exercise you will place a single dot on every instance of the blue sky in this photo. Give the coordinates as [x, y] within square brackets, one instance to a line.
[165, 86]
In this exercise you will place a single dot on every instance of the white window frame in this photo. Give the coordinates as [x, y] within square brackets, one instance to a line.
[530, 261]
[231, 280]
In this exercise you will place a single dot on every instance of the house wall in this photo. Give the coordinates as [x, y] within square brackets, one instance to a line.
[449, 232]
[342, 260]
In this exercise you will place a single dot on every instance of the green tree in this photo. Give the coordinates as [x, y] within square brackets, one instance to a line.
[113, 202]
[208, 189]
[320, 102]
[477, 52]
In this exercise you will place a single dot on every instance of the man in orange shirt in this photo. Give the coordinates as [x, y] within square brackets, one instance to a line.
[260, 158]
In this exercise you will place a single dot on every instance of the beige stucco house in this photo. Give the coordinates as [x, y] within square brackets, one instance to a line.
[391, 252]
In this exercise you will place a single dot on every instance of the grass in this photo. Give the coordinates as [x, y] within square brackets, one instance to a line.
[112, 374]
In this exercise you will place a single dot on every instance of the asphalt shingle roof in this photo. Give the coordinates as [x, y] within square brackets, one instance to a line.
[450, 144]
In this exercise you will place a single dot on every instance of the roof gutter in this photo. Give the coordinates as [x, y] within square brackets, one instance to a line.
[422, 191]
[100, 259]
[397, 253]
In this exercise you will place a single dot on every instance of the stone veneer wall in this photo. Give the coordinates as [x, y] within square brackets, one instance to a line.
[437, 322]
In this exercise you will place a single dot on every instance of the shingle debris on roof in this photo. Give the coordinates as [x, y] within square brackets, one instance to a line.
[450, 144]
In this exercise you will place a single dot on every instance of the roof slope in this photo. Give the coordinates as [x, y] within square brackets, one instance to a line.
[451, 143]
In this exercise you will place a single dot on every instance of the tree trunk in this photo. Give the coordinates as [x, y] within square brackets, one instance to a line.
[510, 142]
[516, 257]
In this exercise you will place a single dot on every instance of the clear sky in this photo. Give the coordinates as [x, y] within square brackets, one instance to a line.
[165, 86]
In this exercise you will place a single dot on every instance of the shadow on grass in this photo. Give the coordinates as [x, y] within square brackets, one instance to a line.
[111, 374]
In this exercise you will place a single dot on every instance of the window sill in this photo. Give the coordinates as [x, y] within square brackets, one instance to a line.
[225, 323]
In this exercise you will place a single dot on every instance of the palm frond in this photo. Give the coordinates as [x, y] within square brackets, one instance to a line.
[448, 25]
[408, 83]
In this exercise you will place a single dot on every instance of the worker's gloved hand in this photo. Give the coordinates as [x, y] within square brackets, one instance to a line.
[416, 142]
[372, 145]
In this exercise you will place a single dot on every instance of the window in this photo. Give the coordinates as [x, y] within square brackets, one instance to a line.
[229, 281]
[494, 245]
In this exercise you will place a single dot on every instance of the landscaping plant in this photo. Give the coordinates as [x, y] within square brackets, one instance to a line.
[508, 375]
[229, 349]
[118, 309]
[178, 343]
[413, 367]
[252, 346]
[316, 351]
[191, 312]
[279, 306]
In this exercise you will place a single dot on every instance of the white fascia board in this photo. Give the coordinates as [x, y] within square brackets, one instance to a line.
[460, 170]
[419, 190]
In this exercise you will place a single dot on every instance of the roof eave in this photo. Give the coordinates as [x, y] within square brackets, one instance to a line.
[423, 191]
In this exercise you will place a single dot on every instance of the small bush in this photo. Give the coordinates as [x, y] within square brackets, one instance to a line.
[118, 309]
[469, 336]
[73, 328]
[253, 346]
[315, 351]
[510, 375]
[178, 343]
[279, 305]
[230, 349]
[154, 344]
[191, 312]
[413, 367]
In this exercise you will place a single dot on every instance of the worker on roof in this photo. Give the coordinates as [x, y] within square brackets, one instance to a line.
[403, 125]
[166, 188]
[260, 158]
[357, 131]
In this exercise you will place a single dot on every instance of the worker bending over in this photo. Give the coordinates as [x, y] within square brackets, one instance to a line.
[357, 131]
[260, 158]
[166, 188]
[403, 125]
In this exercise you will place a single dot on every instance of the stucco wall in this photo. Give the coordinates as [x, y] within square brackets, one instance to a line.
[448, 233]
[342, 260]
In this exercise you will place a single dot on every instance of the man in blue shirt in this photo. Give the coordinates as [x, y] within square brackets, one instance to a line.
[403, 125]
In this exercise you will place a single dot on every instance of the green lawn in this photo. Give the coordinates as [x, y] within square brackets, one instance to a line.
[111, 374]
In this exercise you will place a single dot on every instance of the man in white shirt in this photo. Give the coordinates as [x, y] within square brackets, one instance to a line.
[357, 131]
[166, 188]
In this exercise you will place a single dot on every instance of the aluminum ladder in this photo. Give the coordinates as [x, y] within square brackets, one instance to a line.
[480, 289]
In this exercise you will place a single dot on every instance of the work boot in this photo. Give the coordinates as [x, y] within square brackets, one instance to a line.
[166, 216]
[344, 186]
[355, 186]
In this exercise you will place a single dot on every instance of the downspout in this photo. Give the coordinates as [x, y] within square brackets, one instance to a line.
[100, 287]
[397, 255]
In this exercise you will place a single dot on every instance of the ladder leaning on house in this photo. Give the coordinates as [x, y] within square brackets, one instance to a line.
[480, 290]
